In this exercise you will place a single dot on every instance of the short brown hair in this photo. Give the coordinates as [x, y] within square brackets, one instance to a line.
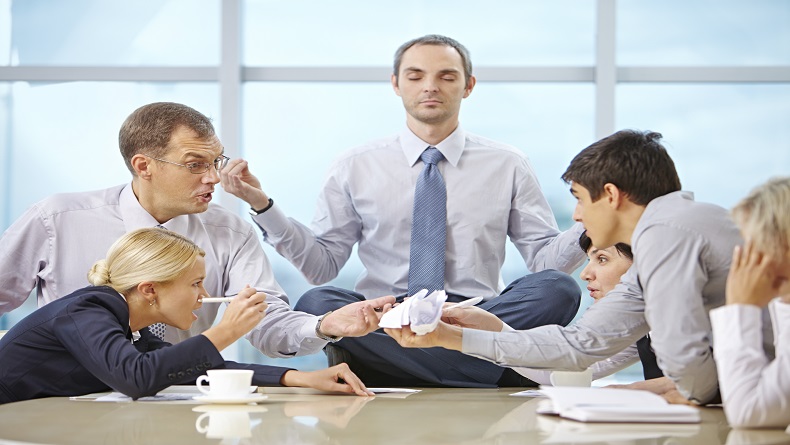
[634, 161]
[149, 128]
[437, 40]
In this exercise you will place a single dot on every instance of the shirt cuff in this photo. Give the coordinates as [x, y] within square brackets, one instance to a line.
[307, 332]
[273, 222]
[478, 343]
[745, 319]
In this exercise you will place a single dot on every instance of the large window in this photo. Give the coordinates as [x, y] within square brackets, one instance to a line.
[291, 84]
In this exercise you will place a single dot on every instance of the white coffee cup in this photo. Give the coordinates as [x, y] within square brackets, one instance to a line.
[226, 383]
[571, 378]
[224, 424]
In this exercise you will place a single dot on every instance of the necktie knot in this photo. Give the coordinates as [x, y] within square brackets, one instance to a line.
[431, 155]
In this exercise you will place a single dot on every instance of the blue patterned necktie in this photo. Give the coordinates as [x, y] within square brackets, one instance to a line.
[429, 227]
[158, 329]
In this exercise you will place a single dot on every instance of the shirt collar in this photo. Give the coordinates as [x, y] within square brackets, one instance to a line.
[452, 147]
[136, 217]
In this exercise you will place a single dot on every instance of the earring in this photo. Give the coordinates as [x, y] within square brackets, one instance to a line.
[151, 303]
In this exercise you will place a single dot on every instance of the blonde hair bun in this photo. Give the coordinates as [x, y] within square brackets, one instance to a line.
[99, 274]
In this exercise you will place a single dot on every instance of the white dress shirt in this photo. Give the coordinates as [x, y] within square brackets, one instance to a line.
[368, 198]
[53, 245]
[755, 390]
[682, 253]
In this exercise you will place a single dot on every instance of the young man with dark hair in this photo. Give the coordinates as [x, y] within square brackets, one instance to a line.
[627, 191]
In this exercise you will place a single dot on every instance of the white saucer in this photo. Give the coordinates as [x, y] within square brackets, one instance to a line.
[251, 398]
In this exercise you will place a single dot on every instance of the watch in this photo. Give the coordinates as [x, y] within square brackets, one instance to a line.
[323, 336]
[254, 212]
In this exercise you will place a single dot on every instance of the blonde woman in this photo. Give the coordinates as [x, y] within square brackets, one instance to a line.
[754, 389]
[97, 339]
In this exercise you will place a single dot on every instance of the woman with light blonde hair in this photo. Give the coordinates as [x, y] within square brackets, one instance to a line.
[755, 390]
[97, 338]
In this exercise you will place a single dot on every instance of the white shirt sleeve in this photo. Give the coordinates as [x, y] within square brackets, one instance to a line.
[319, 253]
[606, 328]
[673, 279]
[25, 243]
[755, 392]
[282, 332]
[603, 368]
[533, 229]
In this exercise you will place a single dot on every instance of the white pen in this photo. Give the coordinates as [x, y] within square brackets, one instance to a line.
[216, 299]
[465, 303]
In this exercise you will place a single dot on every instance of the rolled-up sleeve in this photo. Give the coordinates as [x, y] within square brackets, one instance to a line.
[283, 332]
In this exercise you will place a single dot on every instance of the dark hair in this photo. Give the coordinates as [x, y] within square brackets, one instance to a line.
[439, 40]
[622, 248]
[149, 128]
[634, 161]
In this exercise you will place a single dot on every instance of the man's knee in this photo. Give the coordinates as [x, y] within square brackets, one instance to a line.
[562, 294]
[320, 300]
[556, 293]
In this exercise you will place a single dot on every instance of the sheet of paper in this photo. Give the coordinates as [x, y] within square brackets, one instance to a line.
[311, 391]
[529, 393]
[119, 397]
[421, 312]
[560, 431]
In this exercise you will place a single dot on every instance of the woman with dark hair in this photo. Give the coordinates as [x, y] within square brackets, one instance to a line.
[602, 273]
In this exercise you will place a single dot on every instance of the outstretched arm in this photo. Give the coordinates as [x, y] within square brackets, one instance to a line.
[356, 319]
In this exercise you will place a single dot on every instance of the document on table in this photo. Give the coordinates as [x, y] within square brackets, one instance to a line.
[558, 430]
[613, 405]
[169, 394]
[399, 392]
[529, 393]
[119, 397]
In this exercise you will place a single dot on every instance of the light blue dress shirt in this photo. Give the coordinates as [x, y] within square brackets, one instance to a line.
[368, 197]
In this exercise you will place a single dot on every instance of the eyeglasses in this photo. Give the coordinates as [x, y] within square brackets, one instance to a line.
[198, 168]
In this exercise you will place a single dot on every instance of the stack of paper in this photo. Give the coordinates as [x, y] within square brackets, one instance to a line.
[421, 312]
[614, 405]
[558, 430]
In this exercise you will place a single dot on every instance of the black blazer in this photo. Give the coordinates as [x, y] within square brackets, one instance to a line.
[82, 343]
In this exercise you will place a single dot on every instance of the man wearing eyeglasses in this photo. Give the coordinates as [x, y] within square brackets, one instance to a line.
[174, 156]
